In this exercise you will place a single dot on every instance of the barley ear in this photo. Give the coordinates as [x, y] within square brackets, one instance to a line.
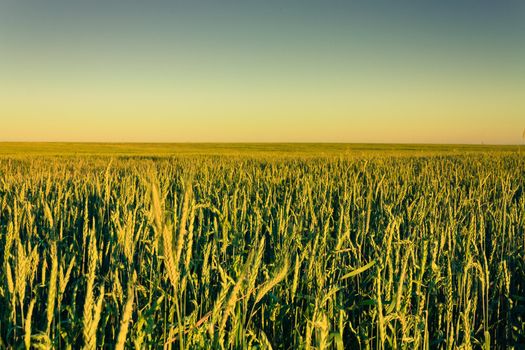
[27, 325]
[126, 314]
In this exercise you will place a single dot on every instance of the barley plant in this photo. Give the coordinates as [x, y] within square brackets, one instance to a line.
[361, 251]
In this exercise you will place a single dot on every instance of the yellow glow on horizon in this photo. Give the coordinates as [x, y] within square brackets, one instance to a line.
[181, 116]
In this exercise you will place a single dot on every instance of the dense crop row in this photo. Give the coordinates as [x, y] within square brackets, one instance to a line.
[238, 252]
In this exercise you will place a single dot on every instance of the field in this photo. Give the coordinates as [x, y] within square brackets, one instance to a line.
[262, 246]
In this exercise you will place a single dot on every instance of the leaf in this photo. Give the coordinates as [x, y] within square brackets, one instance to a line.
[359, 270]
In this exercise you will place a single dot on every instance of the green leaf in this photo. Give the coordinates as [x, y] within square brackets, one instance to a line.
[359, 270]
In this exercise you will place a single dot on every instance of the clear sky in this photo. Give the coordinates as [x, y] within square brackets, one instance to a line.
[436, 71]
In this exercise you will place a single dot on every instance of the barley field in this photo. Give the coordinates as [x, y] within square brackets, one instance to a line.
[261, 246]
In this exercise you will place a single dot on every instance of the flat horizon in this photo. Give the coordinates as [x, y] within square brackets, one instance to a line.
[251, 149]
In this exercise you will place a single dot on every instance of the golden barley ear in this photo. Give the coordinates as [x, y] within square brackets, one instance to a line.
[92, 310]
[27, 325]
[276, 279]
[52, 288]
[126, 314]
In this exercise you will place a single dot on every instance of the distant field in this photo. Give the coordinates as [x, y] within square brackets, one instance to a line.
[251, 149]
[259, 246]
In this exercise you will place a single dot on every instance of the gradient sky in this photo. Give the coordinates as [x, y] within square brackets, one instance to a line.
[441, 71]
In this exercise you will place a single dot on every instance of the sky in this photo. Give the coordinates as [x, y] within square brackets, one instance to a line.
[434, 71]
